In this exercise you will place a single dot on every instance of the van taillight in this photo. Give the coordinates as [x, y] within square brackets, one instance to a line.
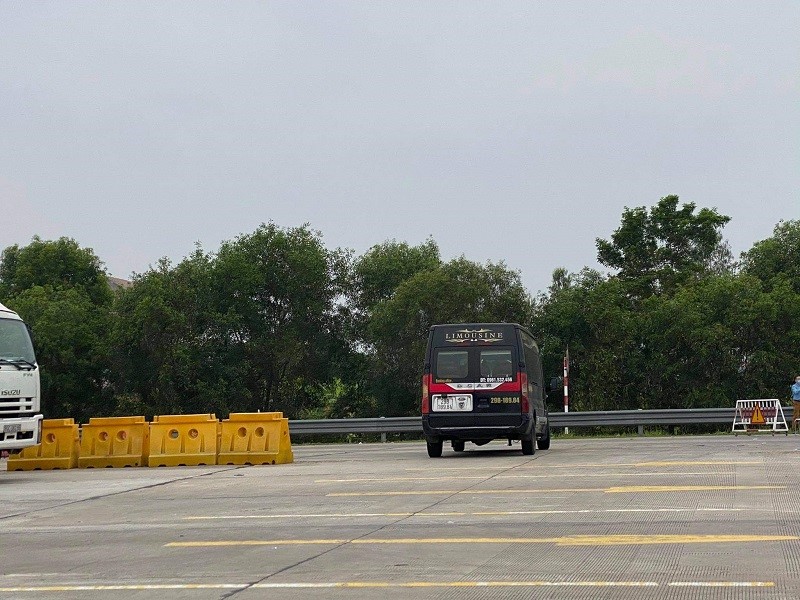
[426, 400]
[525, 405]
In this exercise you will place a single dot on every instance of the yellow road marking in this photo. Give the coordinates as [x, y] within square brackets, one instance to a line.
[458, 584]
[312, 516]
[582, 475]
[607, 510]
[575, 540]
[642, 489]
[686, 463]
[450, 492]
[387, 479]
[539, 465]
[722, 584]
[632, 489]
[460, 477]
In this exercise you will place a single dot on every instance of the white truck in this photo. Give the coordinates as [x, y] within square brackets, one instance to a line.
[20, 418]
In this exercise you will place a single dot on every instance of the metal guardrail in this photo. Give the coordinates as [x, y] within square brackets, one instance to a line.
[630, 418]
[633, 418]
[344, 426]
[685, 416]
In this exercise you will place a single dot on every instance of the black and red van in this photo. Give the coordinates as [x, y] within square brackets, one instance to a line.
[481, 382]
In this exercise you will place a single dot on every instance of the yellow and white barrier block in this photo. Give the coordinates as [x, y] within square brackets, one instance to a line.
[255, 439]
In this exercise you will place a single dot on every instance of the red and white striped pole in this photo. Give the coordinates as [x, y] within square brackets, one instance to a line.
[566, 386]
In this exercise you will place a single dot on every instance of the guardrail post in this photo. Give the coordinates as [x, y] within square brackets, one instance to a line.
[641, 428]
[383, 434]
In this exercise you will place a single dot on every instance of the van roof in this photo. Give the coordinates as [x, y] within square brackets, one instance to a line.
[477, 325]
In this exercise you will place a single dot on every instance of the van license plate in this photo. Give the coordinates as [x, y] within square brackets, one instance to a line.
[12, 428]
[452, 402]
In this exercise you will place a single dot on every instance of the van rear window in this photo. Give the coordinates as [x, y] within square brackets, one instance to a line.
[476, 364]
[496, 365]
[452, 364]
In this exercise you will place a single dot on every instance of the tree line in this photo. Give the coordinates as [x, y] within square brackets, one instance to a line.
[276, 321]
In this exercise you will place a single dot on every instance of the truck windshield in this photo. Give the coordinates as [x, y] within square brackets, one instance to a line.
[15, 342]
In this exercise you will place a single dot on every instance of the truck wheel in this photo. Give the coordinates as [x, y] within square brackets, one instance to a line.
[435, 449]
[527, 446]
[544, 443]
[458, 445]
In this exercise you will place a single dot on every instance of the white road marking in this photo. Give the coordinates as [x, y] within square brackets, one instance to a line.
[464, 514]
[550, 476]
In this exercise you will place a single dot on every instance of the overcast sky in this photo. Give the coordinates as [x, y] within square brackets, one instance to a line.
[513, 131]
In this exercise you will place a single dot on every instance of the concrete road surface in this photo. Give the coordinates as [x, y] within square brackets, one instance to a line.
[674, 517]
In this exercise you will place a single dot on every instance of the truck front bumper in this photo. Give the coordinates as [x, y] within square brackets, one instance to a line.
[20, 432]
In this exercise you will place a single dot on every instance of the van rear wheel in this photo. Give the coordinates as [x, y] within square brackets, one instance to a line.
[527, 446]
[458, 445]
[435, 449]
[544, 443]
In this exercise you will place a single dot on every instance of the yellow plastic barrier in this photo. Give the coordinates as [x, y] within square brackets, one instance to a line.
[58, 450]
[255, 439]
[114, 442]
[183, 440]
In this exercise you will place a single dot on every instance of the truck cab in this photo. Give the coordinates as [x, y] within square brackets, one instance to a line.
[20, 418]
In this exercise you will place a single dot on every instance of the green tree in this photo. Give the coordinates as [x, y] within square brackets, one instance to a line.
[172, 353]
[719, 340]
[712, 341]
[624, 331]
[379, 272]
[657, 249]
[777, 257]
[257, 326]
[278, 292]
[60, 264]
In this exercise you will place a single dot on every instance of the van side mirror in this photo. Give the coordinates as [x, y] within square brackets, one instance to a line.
[555, 383]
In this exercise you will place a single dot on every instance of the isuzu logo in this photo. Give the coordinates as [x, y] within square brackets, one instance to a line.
[10, 393]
